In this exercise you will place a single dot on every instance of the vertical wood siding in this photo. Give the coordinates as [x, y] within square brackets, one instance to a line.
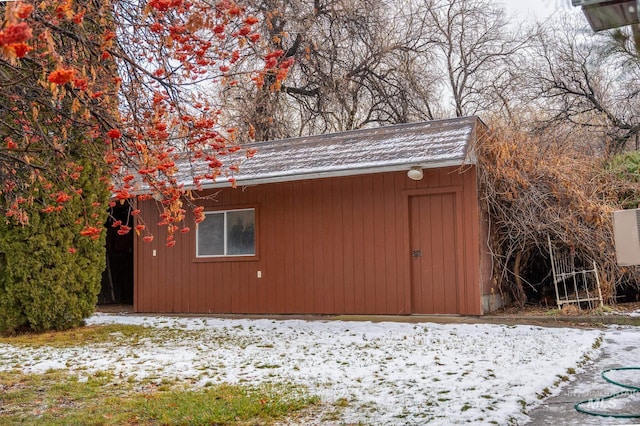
[325, 246]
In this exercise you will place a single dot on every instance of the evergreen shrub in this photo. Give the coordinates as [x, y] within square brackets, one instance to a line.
[50, 274]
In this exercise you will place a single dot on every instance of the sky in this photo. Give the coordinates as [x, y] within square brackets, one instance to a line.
[539, 9]
[382, 373]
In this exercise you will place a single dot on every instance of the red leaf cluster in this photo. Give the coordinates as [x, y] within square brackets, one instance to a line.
[24, 10]
[80, 83]
[13, 39]
[15, 33]
[163, 122]
[91, 232]
[11, 144]
[114, 134]
[164, 5]
[61, 76]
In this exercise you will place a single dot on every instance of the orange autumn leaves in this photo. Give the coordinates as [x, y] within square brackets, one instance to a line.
[114, 134]
[143, 146]
[164, 5]
[61, 76]
[14, 35]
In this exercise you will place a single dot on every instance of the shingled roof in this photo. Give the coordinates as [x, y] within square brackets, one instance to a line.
[429, 144]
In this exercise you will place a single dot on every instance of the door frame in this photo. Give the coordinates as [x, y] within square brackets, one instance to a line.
[459, 240]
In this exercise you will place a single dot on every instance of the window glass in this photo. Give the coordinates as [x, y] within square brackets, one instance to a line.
[240, 232]
[211, 235]
[227, 233]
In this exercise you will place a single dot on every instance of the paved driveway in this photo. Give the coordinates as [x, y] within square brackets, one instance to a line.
[621, 348]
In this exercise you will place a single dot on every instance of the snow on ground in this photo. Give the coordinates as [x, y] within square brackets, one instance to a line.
[385, 373]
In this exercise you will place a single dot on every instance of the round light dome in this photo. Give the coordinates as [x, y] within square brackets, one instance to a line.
[415, 173]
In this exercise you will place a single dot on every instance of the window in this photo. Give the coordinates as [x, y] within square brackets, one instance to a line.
[227, 233]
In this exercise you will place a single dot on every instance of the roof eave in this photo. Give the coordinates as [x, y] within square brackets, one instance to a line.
[334, 173]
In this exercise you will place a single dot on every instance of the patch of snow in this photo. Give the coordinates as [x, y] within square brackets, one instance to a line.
[635, 313]
[388, 373]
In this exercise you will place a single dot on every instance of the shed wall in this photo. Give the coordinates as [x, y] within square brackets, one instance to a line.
[325, 246]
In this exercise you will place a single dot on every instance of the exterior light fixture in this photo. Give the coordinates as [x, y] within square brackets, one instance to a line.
[607, 14]
[415, 173]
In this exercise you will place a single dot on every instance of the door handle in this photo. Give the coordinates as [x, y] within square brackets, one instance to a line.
[416, 253]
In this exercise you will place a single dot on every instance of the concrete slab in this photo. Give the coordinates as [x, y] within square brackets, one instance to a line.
[620, 348]
[514, 319]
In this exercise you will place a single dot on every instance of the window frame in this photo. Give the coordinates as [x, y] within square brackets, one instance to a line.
[225, 257]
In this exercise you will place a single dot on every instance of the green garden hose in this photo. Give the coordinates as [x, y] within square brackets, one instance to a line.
[631, 391]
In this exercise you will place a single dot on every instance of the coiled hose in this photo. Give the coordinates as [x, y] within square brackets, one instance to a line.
[631, 390]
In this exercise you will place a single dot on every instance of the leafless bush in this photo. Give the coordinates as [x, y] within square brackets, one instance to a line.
[532, 188]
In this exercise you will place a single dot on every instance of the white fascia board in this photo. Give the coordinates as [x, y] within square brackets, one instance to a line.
[332, 173]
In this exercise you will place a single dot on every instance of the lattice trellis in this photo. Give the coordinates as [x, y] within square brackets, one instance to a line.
[574, 285]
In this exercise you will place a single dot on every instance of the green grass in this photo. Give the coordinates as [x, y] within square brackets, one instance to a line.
[94, 334]
[60, 398]
[56, 398]
[121, 334]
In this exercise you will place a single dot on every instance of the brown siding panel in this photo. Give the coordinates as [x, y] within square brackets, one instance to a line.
[391, 271]
[379, 245]
[451, 244]
[337, 253]
[368, 246]
[347, 235]
[298, 242]
[325, 246]
[358, 246]
[308, 279]
[155, 283]
[320, 284]
[230, 287]
[283, 294]
[327, 278]
[437, 224]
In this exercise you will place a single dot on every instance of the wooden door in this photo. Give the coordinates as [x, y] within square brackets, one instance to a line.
[433, 250]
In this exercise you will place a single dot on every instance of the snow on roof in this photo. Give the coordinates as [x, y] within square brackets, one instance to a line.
[428, 144]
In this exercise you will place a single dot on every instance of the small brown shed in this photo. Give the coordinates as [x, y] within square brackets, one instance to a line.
[332, 224]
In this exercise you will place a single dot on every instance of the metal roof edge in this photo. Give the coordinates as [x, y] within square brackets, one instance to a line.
[334, 173]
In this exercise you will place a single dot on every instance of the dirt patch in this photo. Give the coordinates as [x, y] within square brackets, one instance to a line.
[570, 310]
[115, 309]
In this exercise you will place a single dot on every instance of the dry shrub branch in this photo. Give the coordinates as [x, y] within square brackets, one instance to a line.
[533, 187]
